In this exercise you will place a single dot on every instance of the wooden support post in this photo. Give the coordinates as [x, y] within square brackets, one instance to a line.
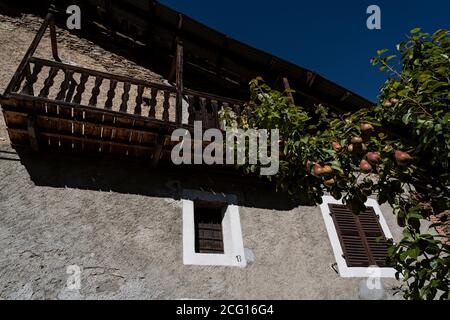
[53, 40]
[179, 84]
[288, 87]
[32, 132]
[176, 41]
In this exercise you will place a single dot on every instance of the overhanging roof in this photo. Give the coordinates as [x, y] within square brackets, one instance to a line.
[214, 62]
[239, 62]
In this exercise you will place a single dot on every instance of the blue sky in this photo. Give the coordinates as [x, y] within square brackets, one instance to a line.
[329, 37]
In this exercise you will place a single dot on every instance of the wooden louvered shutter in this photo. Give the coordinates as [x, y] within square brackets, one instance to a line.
[208, 230]
[361, 236]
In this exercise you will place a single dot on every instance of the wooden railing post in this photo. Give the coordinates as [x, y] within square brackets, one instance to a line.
[17, 77]
[179, 84]
[53, 40]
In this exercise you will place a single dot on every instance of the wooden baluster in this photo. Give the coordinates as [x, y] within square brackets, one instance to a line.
[48, 82]
[72, 86]
[64, 85]
[215, 115]
[31, 78]
[140, 92]
[153, 102]
[203, 111]
[95, 91]
[166, 106]
[225, 105]
[125, 96]
[191, 109]
[111, 93]
[81, 87]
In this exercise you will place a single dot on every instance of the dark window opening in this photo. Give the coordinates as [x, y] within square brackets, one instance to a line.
[361, 236]
[208, 218]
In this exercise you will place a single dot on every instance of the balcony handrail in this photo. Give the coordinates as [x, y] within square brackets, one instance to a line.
[206, 100]
[211, 96]
[103, 74]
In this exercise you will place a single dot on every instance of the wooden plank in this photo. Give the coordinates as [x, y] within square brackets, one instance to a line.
[15, 119]
[95, 142]
[18, 137]
[32, 132]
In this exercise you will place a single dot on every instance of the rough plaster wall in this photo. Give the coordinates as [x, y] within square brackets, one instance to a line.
[129, 246]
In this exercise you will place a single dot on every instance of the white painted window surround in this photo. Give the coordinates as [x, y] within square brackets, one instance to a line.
[231, 226]
[344, 270]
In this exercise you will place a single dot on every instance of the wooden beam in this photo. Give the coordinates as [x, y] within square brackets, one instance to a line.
[310, 78]
[176, 41]
[345, 96]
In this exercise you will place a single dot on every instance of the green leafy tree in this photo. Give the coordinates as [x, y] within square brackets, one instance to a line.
[398, 150]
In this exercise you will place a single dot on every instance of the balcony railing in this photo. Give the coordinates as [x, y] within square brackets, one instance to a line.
[50, 103]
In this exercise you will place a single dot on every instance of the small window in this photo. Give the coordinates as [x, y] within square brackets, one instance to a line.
[212, 234]
[208, 227]
[359, 242]
[361, 237]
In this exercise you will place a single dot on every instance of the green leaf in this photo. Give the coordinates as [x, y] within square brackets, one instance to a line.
[438, 35]
[415, 30]
[382, 51]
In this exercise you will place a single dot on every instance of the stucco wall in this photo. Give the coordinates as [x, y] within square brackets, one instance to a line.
[57, 211]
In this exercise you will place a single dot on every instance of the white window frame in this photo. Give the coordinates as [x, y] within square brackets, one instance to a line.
[233, 244]
[344, 270]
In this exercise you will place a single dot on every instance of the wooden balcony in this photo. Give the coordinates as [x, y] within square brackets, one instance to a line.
[52, 105]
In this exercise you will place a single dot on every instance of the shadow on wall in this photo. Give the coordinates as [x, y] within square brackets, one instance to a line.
[106, 173]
